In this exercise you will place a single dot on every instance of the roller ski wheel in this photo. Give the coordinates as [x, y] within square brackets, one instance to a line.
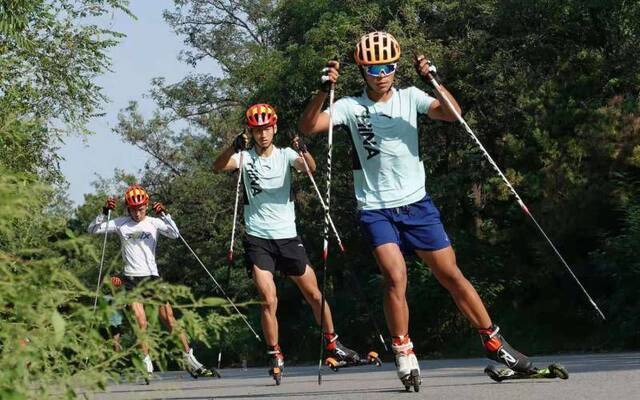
[276, 373]
[147, 378]
[277, 363]
[499, 373]
[413, 380]
[374, 358]
[205, 373]
[371, 358]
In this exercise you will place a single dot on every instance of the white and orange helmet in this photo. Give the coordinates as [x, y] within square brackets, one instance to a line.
[377, 48]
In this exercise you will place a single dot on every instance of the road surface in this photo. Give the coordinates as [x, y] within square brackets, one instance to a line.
[592, 376]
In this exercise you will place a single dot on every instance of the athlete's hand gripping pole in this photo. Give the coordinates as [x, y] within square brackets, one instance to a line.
[213, 279]
[436, 85]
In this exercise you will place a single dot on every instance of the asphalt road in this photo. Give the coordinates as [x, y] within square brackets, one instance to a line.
[592, 376]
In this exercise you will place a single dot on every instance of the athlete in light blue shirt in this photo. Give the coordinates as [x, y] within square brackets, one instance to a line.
[271, 242]
[385, 134]
[395, 212]
[269, 212]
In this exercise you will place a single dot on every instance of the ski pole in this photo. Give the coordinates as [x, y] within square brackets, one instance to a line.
[104, 247]
[324, 207]
[524, 208]
[233, 235]
[325, 251]
[212, 278]
[235, 212]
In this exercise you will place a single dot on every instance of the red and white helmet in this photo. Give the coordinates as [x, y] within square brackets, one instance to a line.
[261, 116]
[135, 195]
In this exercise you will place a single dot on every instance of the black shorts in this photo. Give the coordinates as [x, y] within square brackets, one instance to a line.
[131, 282]
[285, 255]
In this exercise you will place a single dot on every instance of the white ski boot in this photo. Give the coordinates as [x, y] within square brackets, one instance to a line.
[407, 363]
[148, 365]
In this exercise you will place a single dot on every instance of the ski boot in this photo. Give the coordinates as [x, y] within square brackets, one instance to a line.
[195, 367]
[406, 362]
[148, 365]
[277, 363]
[498, 349]
[341, 356]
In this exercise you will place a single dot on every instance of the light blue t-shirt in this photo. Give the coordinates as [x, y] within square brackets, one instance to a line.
[269, 212]
[388, 171]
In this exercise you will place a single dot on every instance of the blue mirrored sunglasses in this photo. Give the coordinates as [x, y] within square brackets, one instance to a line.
[381, 69]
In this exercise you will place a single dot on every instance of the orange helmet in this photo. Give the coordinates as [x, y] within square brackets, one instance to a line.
[377, 48]
[135, 195]
[261, 116]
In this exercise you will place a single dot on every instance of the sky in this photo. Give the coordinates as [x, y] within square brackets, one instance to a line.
[149, 50]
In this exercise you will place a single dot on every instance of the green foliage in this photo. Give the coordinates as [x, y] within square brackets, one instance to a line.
[25, 146]
[51, 341]
[619, 268]
[49, 56]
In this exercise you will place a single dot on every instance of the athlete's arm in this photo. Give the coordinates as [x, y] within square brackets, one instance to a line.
[302, 151]
[167, 227]
[224, 162]
[99, 225]
[299, 163]
[439, 110]
[313, 120]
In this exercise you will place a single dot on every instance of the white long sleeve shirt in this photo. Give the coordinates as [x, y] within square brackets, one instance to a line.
[138, 240]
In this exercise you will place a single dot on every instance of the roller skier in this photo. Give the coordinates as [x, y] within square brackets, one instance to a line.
[395, 212]
[138, 235]
[271, 242]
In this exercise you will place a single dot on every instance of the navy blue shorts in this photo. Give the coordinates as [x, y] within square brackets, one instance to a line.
[412, 227]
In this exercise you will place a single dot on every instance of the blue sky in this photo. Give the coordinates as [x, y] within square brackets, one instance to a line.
[149, 50]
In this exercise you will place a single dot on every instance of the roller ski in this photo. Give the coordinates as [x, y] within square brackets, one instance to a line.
[196, 369]
[499, 373]
[335, 364]
[341, 356]
[407, 363]
[277, 363]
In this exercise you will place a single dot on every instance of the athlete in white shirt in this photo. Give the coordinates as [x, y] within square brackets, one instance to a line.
[138, 235]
